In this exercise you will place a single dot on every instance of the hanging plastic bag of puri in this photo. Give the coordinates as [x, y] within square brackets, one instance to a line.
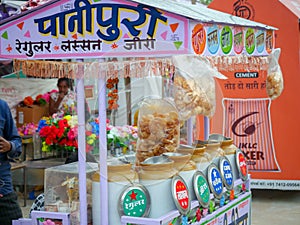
[194, 86]
[158, 129]
[274, 77]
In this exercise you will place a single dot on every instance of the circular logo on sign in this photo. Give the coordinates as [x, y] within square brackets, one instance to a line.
[243, 9]
[250, 41]
[241, 165]
[226, 39]
[269, 41]
[238, 44]
[201, 188]
[215, 180]
[260, 41]
[199, 39]
[226, 172]
[181, 195]
[213, 39]
[134, 201]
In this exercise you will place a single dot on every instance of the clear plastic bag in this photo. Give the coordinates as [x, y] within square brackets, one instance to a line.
[158, 129]
[274, 77]
[194, 86]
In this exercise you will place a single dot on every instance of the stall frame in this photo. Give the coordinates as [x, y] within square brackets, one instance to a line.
[200, 15]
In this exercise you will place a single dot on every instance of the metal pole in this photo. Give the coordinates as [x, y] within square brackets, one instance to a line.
[103, 151]
[206, 128]
[189, 131]
[81, 145]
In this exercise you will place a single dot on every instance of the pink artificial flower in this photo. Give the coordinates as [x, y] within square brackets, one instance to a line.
[46, 96]
[55, 116]
[73, 133]
[109, 127]
[53, 91]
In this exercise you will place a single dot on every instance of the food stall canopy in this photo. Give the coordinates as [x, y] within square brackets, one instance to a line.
[91, 29]
[201, 13]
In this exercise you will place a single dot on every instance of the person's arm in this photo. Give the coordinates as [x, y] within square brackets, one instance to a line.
[53, 105]
[11, 141]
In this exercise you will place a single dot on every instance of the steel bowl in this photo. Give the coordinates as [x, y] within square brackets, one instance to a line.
[128, 159]
[161, 159]
[173, 154]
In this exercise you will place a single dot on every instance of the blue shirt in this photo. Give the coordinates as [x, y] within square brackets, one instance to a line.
[8, 130]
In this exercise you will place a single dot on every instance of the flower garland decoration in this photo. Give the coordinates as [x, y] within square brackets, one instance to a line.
[232, 196]
[32, 4]
[112, 86]
[184, 220]
[244, 187]
[222, 201]
[204, 212]
[198, 214]
[211, 207]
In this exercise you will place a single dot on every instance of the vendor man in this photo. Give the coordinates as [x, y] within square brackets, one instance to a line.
[10, 147]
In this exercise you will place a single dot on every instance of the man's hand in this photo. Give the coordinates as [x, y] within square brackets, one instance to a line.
[5, 145]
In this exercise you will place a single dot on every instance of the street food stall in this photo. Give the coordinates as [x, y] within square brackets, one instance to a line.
[213, 183]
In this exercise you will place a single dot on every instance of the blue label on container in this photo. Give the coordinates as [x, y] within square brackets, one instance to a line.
[216, 181]
[228, 177]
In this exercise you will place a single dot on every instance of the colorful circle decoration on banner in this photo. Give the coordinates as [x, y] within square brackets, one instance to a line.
[250, 41]
[199, 39]
[226, 39]
[226, 172]
[269, 41]
[180, 195]
[201, 189]
[238, 43]
[213, 40]
[242, 165]
[215, 180]
[134, 201]
[260, 41]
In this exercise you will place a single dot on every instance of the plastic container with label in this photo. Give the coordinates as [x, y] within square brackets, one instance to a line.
[156, 175]
[186, 169]
[199, 156]
[229, 149]
[119, 176]
[213, 148]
